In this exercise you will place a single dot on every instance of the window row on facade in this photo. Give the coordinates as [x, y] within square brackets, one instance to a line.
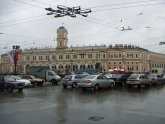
[80, 56]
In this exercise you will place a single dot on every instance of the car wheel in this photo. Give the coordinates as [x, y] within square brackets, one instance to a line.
[20, 89]
[54, 82]
[39, 83]
[129, 86]
[96, 87]
[74, 85]
[9, 89]
[64, 86]
[83, 88]
[150, 84]
[112, 85]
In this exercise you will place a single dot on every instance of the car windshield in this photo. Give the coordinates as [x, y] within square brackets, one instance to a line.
[33, 77]
[134, 76]
[9, 78]
[89, 77]
[67, 76]
[17, 77]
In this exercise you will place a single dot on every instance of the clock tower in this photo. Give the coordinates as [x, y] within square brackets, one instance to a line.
[62, 38]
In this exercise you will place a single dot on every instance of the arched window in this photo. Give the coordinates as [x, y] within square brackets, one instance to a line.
[76, 66]
[54, 67]
[81, 66]
[60, 66]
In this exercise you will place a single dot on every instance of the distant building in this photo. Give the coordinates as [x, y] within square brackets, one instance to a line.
[105, 58]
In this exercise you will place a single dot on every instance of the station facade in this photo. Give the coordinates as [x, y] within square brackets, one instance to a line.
[105, 58]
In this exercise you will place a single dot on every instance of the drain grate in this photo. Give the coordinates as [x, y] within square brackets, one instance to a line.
[96, 118]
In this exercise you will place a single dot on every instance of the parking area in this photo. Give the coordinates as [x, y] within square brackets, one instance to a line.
[56, 105]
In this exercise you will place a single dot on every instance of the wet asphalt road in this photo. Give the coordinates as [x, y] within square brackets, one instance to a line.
[55, 105]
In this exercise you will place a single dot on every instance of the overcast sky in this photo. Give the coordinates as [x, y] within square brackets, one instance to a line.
[25, 23]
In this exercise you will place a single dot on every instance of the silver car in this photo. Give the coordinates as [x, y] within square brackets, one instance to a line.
[71, 80]
[96, 82]
[155, 79]
[138, 80]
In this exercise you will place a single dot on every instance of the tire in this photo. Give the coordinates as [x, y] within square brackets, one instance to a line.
[129, 86]
[54, 82]
[74, 85]
[83, 88]
[139, 86]
[96, 87]
[64, 86]
[20, 90]
[39, 83]
[149, 85]
[9, 89]
[112, 85]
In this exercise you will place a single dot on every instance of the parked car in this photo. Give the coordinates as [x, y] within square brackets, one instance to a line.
[2, 82]
[138, 80]
[163, 79]
[71, 80]
[116, 78]
[34, 80]
[19, 79]
[10, 83]
[96, 82]
[155, 79]
[122, 80]
[119, 78]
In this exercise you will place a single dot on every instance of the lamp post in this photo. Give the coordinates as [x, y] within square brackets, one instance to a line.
[15, 57]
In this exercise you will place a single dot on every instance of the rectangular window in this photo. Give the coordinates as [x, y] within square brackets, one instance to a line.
[34, 57]
[67, 56]
[60, 57]
[27, 58]
[82, 56]
[104, 56]
[74, 56]
[53, 57]
[47, 58]
[136, 55]
[40, 58]
[115, 56]
[89, 55]
[109, 55]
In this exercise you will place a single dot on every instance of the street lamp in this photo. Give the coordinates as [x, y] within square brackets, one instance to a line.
[15, 57]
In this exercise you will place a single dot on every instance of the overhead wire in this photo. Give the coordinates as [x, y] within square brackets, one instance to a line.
[26, 22]
[92, 21]
[21, 19]
[92, 11]
[121, 3]
[125, 7]
[156, 19]
[28, 4]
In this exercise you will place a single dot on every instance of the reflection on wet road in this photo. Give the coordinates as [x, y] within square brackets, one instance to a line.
[55, 105]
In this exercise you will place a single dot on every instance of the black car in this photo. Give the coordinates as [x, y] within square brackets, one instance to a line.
[9, 83]
[123, 79]
[119, 78]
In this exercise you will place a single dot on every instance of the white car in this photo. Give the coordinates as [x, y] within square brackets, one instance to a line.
[19, 79]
